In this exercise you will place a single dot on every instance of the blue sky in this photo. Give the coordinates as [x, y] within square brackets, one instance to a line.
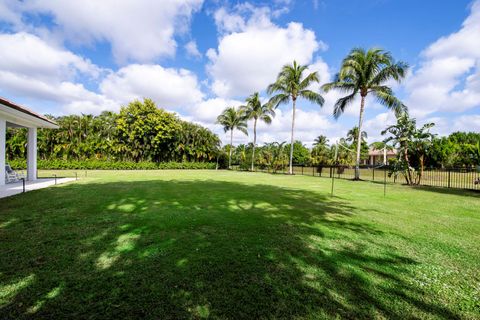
[197, 57]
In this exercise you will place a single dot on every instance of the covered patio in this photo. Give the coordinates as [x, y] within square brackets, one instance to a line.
[17, 116]
[14, 188]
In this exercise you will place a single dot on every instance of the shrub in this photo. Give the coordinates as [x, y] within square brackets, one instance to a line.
[110, 165]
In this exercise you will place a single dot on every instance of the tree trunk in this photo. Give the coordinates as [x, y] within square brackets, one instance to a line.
[290, 170]
[359, 139]
[420, 174]
[254, 142]
[408, 177]
[230, 151]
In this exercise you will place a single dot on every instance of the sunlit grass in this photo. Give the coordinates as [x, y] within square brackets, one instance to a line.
[218, 244]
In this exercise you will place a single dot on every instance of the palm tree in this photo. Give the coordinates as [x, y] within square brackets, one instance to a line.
[320, 141]
[363, 72]
[254, 109]
[352, 135]
[232, 119]
[291, 85]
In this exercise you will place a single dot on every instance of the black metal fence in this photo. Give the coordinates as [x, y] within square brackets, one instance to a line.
[458, 178]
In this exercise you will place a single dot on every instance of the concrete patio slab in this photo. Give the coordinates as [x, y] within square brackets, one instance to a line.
[11, 189]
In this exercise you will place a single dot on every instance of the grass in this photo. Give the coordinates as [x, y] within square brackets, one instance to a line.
[233, 245]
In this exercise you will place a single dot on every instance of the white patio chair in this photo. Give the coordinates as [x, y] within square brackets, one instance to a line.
[11, 175]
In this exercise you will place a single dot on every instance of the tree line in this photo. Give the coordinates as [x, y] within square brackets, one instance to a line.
[139, 132]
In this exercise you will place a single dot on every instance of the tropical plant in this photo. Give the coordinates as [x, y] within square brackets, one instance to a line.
[233, 119]
[290, 85]
[362, 73]
[146, 132]
[320, 141]
[352, 135]
[321, 154]
[254, 109]
[407, 138]
[301, 154]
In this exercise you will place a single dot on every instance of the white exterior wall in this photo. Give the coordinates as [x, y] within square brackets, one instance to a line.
[32, 154]
[3, 133]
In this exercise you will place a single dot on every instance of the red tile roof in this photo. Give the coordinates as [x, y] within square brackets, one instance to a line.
[375, 152]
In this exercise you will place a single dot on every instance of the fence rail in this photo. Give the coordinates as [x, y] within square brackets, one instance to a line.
[456, 178]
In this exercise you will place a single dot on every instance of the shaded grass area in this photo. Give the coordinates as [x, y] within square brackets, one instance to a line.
[231, 245]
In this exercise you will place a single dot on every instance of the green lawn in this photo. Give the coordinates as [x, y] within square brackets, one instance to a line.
[233, 245]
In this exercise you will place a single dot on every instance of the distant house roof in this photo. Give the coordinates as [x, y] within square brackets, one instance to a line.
[375, 152]
[6, 103]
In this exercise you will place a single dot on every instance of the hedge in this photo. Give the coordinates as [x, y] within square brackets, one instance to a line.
[110, 165]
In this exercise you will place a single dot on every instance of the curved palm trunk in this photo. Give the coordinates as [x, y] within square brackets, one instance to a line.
[422, 164]
[230, 151]
[254, 142]
[408, 176]
[290, 170]
[359, 140]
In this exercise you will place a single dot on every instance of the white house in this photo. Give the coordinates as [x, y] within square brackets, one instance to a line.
[14, 115]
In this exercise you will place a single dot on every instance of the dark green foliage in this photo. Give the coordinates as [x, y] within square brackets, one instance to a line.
[457, 150]
[145, 132]
[93, 164]
[301, 154]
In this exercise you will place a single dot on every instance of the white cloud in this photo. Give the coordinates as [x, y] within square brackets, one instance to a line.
[309, 124]
[168, 87]
[138, 30]
[207, 111]
[252, 51]
[33, 68]
[192, 49]
[449, 76]
[27, 54]
[374, 126]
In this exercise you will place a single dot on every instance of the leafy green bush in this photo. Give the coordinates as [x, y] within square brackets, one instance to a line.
[111, 165]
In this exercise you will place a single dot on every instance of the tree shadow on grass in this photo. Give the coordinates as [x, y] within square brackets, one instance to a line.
[443, 190]
[197, 249]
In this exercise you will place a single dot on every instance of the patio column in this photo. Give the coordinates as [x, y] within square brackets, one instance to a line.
[32, 154]
[3, 154]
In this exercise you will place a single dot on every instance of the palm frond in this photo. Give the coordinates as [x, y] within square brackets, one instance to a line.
[341, 103]
[279, 99]
[312, 97]
[384, 96]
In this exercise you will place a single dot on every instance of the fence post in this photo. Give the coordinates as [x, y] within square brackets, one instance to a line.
[330, 172]
[448, 178]
[23, 182]
[76, 176]
[373, 174]
[302, 169]
[313, 171]
[55, 178]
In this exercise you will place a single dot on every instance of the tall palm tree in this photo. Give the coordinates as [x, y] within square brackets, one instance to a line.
[291, 84]
[232, 119]
[363, 72]
[254, 109]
